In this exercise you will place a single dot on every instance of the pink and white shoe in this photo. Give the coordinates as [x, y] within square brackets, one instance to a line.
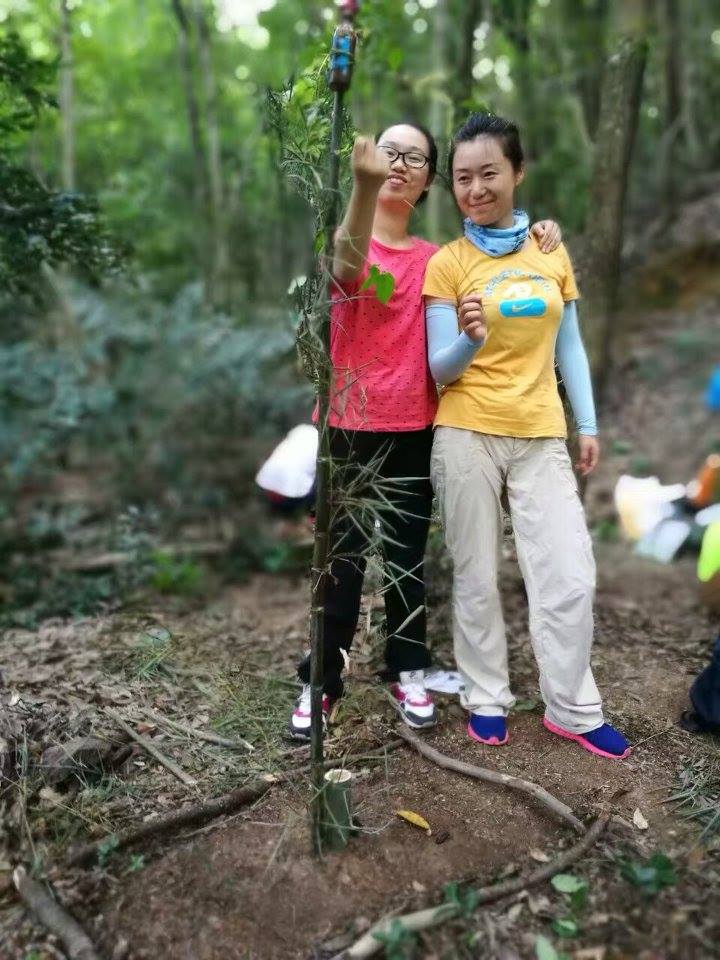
[300, 719]
[417, 707]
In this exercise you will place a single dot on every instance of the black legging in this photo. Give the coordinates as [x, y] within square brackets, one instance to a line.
[398, 456]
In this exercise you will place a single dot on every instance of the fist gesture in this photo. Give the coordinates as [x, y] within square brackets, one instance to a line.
[471, 316]
[369, 165]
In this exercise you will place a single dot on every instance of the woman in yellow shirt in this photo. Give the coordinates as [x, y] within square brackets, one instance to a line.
[498, 313]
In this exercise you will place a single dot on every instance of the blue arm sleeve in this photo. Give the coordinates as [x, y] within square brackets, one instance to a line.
[449, 352]
[575, 371]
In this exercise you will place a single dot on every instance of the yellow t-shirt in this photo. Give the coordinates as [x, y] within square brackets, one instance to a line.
[510, 388]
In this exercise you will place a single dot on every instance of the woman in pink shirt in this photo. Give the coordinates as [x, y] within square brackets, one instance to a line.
[383, 402]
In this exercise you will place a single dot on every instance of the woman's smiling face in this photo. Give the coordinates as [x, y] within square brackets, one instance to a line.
[484, 181]
[405, 183]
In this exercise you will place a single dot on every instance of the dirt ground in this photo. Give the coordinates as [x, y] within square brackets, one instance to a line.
[247, 886]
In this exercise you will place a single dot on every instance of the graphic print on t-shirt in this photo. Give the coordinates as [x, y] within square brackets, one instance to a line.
[520, 294]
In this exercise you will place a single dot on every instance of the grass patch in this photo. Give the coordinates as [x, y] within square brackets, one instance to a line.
[699, 793]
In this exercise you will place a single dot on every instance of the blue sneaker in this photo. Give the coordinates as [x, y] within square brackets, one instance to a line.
[489, 730]
[605, 741]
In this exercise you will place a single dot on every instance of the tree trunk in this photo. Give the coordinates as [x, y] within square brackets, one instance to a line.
[66, 99]
[214, 160]
[472, 12]
[672, 36]
[600, 248]
[200, 177]
[438, 114]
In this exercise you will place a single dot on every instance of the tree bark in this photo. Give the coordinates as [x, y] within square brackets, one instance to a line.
[200, 176]
[66, 99]
[672, 35]
[600, 247]
[214, 159]
[438, 109]
[472, 12]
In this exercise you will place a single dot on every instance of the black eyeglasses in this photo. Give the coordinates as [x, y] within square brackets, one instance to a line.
[411, 158]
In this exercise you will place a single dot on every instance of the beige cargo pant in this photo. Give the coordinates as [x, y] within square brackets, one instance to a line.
[469, 472]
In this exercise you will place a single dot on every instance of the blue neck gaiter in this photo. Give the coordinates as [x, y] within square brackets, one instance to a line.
[498, 241]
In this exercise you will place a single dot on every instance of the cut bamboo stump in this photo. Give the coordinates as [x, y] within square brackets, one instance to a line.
[337, 824]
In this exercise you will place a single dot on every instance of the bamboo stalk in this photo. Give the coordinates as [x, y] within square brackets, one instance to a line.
[321, 550]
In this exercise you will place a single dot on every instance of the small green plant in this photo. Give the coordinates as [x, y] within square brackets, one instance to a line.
[575, 891]
[466, 900]
[544, 950]
[137, 862]
[175, 575]
[606, 531]
[650, 875]
[107, 847]
[399, 942]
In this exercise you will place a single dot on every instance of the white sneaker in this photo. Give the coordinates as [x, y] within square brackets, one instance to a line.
[417, 706]
[300, 719]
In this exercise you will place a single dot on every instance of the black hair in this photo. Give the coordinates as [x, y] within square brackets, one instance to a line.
[432, 149]
[488, 125]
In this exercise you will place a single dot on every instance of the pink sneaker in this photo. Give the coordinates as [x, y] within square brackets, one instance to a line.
[300, 719]
[417, 707]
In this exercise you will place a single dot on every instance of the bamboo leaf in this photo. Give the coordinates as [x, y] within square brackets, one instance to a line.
[415, 819]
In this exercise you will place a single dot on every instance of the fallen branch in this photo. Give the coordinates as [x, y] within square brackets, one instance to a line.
[557, 807]
[211, 809]
[150, 748]
[98, 563]
[205, 735]
[54, 917]
[368, 944]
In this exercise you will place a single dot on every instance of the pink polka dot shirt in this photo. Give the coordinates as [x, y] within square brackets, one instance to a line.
[381, 378]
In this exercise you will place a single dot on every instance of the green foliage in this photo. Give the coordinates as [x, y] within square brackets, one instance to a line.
[399, 942]
[382, 282]
[649, 875]
[136, 863]
[39, 227]
[465, 899]
[575, 891]
[175, 575]
[107, 847]
[544, 950]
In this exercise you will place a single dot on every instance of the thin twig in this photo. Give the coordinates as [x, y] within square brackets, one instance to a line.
[219, 741]
[150, 748]
[557, 807]
[369, 944]
[54, 917]
[653, 735]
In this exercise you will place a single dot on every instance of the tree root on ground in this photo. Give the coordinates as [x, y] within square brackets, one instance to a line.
[53, 917]
[368, 944]
[556, 806]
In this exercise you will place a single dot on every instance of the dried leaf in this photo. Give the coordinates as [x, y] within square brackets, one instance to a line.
[540, 856]
[639, 820]
[415, 819]
[514, 912]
